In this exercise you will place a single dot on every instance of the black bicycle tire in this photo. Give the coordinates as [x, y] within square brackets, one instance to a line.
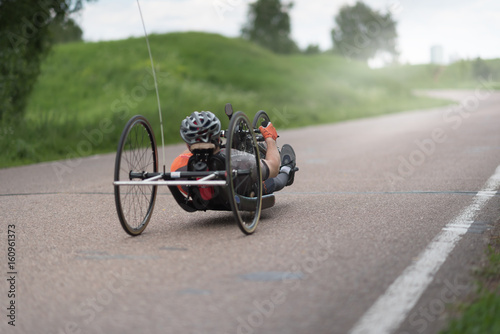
[259, 114]
[244, 227]
[137, 120]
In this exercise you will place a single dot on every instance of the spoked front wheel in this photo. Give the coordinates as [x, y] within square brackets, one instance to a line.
[136, 154]
[243, 173]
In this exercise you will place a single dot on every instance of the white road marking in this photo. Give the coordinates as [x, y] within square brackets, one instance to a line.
[391, 309]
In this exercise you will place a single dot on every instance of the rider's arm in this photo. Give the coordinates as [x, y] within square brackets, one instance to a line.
[272, 160]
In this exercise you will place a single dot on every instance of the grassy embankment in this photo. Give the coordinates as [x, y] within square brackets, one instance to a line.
[480, 313]
[463, 74]
[93, 88]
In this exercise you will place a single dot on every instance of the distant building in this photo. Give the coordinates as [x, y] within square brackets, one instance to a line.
[437, 56]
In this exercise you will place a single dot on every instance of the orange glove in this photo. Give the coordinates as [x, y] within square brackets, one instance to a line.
[269, 131]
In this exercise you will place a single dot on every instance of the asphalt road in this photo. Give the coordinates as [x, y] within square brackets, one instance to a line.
[371, 197]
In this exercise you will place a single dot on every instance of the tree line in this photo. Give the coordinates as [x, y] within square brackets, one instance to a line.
[360, 32]
[28, 29]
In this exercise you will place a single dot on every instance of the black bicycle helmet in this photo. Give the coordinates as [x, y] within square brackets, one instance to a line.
[201, 127]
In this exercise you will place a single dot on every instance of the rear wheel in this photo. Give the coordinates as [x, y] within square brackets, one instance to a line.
[243, 173]
[136, 154]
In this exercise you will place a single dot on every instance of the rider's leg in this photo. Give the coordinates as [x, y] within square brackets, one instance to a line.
[275, 184]
[286, 174]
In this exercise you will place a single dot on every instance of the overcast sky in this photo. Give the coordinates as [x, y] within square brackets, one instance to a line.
[464, 28]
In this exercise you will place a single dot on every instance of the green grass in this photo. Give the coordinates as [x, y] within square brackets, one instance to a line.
[89, 87]
[461, 75]
[482, 314]
[481, 317]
